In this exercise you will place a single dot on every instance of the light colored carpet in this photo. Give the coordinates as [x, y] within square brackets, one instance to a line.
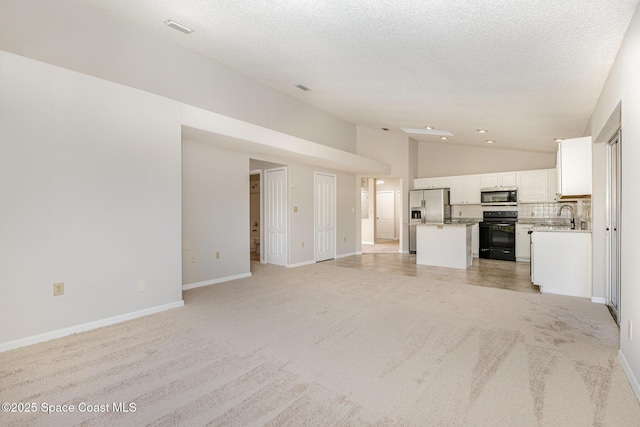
[326, 345]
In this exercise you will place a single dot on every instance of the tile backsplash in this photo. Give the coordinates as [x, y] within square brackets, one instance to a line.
[544, 212]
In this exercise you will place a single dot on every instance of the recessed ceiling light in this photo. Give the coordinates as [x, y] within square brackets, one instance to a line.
[558, 139]
[482, 131]
[428, 127]
[178, 26]
[443, 137]
[489, 141]
[302, 87]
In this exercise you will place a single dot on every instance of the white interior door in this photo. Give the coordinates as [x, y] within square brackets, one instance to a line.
[385, 215]
[325, 215]
[275, 216]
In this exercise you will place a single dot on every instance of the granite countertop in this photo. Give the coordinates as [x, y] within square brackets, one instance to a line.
[471, 221]
[558, 228]
[448, 224]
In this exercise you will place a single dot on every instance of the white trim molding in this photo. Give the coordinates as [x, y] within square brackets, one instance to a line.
[300, 264]
[23, 342]
[635, 385]
[598, 300]
[214, 281]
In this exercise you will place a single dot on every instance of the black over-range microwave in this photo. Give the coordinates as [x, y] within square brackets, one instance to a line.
[502, 196]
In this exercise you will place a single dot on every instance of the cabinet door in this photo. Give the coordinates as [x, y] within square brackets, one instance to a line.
[442, 182]
[523, 242]
[574, 164]
[507, 179]
[458, 193]
[551, 185]
[489, 180]
[473, 189]
[532, 186]
[422, 183]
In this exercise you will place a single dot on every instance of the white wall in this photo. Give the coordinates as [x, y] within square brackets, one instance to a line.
[623, 86]
[301, 223]
[90, 189]
[441, 159]
[77, 36]
[215, 198]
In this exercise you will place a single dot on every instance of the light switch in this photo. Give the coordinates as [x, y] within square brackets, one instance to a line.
[295, 209]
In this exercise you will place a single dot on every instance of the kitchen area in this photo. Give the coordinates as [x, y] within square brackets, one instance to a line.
[541, 217]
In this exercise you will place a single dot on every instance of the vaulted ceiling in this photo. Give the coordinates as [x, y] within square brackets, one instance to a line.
[525, 71]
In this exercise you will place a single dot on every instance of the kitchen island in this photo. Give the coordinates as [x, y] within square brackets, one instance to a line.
[444, 245]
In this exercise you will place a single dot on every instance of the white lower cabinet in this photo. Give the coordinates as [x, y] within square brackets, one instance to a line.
[523, 242]
[561, 262]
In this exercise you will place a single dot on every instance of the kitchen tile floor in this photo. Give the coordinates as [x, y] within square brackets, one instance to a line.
[484, 272]
[382, 247]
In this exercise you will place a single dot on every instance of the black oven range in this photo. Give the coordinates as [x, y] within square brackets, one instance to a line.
[498, 235]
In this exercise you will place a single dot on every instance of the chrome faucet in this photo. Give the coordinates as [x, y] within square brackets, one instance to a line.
[573, 221]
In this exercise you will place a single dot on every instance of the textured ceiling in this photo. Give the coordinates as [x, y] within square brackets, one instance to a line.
[526, 70]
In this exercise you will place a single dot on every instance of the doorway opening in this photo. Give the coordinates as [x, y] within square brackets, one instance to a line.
[382, 215]
[613, 203]
[255, 219]
[267, 212]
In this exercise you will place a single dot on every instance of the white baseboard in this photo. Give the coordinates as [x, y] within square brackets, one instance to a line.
[368, 243]
[214, 281]
[23, 342]
[635, 385]
[359, 253]
[300, 264]
[598, 300]
[346, 255]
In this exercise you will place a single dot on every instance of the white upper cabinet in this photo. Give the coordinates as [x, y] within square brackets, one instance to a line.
[427, 183]
[532, 186]
[422, 183]
[473, 189]
[507, 179]
[443, 182]
[496, 180]
[465, 190]
[535, 186]
[489, 180]
[574, 168]
[551, 185]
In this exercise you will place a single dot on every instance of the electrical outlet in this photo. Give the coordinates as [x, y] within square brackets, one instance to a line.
[58, 289]
[295, 209]
[630, 330]
[218, 255]
[192, 259]
[142, 286]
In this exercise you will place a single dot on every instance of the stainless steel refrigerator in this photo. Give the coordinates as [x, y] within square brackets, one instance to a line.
[427, 206]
